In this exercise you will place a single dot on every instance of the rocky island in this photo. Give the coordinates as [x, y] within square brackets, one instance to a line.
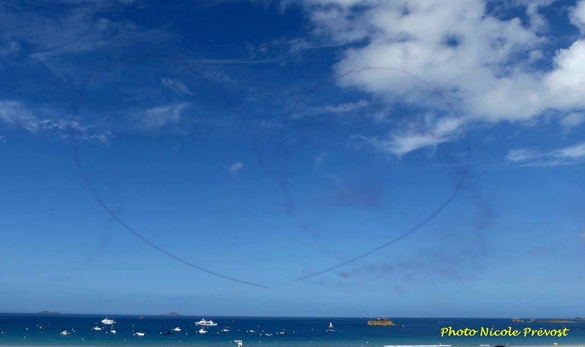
[173, 314]
[48, 312]
[381, 322]
[517, 320]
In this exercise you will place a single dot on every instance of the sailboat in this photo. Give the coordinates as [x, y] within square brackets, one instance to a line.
[112, 330]
[331, 330]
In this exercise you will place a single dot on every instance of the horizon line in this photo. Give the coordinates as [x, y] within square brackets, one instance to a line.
[171, 315]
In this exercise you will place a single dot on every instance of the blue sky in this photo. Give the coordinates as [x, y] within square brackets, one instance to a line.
[266, 141]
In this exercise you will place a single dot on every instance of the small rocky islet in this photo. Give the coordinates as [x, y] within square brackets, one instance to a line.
[381, 322]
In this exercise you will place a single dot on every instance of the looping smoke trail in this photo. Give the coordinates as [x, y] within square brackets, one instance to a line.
[105, 207]
[418, 226]
[434, 213]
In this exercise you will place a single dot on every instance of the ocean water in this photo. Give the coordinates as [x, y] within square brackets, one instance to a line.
[23, 330]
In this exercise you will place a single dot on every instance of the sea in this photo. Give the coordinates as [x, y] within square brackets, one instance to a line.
[45, 330]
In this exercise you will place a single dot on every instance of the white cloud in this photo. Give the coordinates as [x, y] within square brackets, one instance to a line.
[574, 154]
[577, 16]
[582, 236]
[2, 138]
[236, 167]
[177, 86]
[17, 114]
[157, 117]
[479, 61]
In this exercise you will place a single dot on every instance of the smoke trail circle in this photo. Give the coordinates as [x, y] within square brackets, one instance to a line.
[280, 147]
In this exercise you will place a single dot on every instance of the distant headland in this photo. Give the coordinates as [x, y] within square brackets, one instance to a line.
[381, 322]
[172, 314]
[48, 312]
[557, 320]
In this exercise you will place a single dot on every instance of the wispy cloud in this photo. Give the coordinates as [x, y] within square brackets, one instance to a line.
[573, 119]
[433, 133]
[58, 29]
[338, 109]
[531, 157]
[17, 114]
[235, 61]
[177, 86]
[157, 117]
[11, 47]
[236, 167]
[14, 113]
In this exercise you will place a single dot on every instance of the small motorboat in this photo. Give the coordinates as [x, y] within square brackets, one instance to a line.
[108, 321]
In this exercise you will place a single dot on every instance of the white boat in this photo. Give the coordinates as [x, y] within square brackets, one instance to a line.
[108, 321]
[96, 328]
[64, 332]
[177, 329]
[226, 330]
[138, 334]
[206, 323]
[239, 342]
[112, 330]
[202, 331]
